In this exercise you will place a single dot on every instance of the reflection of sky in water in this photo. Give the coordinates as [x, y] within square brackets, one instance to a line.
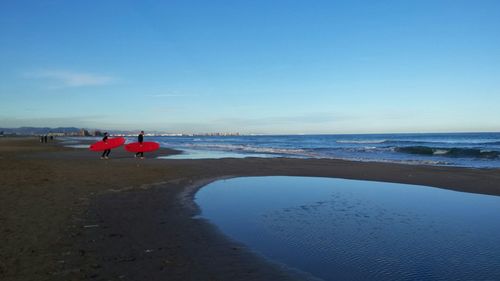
[359, 230]
[78, 145]
[208, 154]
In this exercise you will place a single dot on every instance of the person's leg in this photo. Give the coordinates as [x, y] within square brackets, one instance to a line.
[108, 152]
[103, 154]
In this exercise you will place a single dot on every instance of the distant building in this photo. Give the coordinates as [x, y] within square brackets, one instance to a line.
[97, 133]
[217, 134]
[55, 134]
[84, 133]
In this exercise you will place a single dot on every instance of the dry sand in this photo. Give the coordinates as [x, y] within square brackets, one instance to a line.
[67, 215]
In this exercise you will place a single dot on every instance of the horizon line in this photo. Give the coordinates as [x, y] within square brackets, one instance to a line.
[265, 134]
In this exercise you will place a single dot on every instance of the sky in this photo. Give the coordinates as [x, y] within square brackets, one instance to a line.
[262, 66]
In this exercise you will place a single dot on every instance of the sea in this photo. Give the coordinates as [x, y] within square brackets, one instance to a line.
[476, 150]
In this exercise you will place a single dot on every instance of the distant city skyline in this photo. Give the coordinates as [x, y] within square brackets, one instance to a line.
[261, 67]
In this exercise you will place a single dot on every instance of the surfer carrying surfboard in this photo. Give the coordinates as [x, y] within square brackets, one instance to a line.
[141, 146]
[140, 139]
[106, 145]
[105, 153]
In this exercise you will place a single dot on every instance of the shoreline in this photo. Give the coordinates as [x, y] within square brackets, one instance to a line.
[139, 213]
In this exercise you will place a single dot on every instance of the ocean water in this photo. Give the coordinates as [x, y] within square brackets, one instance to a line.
[337, 229]
[478, 150]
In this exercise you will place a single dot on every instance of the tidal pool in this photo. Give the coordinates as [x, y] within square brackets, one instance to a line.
[337, 229]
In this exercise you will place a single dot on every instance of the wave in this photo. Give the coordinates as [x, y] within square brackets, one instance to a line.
[400, 161]
[449, 152]
[249, 149]
[416, 142]
[362, 141]
[358, 149]
[399, 142]
[449, 142]
[408, 142]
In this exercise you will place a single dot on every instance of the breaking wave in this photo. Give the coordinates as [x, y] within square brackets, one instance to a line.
[250, 149]
[449, 152]
[416, 142]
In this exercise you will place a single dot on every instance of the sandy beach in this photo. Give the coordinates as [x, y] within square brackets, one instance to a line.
[67, 215]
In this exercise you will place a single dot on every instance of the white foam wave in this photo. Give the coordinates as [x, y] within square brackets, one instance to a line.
[407, 162]
[440, 151]
[249, 149]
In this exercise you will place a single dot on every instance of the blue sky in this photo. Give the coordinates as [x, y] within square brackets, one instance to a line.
[252, 66]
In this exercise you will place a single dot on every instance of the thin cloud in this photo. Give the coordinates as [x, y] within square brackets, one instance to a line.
[77, 121]
[166, 109]
[65, 78]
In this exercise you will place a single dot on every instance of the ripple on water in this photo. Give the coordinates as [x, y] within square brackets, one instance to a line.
[354, 230]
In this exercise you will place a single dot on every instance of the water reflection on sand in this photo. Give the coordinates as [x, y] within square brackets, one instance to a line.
[359, 230]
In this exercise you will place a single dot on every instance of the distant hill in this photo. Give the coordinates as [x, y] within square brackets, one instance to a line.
[38, 130]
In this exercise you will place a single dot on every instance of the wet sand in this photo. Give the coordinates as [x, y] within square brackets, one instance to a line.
[67, 215]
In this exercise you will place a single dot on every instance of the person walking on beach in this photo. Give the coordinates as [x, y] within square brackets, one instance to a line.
[105, 153]
[140, 139]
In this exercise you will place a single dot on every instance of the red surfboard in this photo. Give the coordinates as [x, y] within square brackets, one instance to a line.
[109, 144]
[146, 146]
